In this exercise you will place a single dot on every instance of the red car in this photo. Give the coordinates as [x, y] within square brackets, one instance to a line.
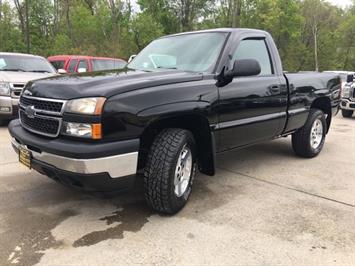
[80, 63]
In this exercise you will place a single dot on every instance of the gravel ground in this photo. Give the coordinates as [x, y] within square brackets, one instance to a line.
[264, 206]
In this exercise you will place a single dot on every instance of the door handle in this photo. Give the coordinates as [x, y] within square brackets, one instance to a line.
[275, 89]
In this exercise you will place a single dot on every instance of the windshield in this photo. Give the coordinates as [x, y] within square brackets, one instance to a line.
[191, 52]
[25, 64]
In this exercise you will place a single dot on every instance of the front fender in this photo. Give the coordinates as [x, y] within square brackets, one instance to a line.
[175, 109]
[127, 115]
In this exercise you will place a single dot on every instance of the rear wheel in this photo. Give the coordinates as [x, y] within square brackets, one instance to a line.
[170, 170]
[347, 113]
[309, 140]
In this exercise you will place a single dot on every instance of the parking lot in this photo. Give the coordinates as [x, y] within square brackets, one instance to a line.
[264, 206]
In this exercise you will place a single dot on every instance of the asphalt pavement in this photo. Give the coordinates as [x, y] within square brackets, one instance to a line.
[264, 206]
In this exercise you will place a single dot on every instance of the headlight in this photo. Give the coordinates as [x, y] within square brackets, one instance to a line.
[4, 89]
[84, 130]
[87, 106]
[346, 91]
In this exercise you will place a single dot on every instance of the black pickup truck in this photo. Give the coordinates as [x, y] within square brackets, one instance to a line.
[183, 99]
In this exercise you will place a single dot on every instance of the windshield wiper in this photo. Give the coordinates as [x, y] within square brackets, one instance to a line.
[13, 69]
[166, 67]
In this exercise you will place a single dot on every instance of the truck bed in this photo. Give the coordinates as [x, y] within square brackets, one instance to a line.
[303, 88]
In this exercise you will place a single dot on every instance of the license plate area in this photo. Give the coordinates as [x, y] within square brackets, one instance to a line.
[25, 156]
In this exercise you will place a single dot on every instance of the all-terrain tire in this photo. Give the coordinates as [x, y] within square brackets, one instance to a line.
[301, 139]
[347, 113]
[160, 170]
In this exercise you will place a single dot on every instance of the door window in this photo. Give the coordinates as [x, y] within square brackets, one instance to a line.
[83, 64]
[58, 64]
[102, 64]
[72, 65]
[255, 49]
[107, 64]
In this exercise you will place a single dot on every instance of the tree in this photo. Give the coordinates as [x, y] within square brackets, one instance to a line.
[145, 29]
[163, 14]
[0, 10]
[10, 36]
[184, 12]
[346, 32]
[310, 34]
[21, 11]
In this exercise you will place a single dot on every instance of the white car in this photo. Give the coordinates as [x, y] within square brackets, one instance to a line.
[343, 76]
[15, 71]
[348, 98]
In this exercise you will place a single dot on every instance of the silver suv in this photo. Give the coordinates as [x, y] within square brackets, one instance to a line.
[15, 71]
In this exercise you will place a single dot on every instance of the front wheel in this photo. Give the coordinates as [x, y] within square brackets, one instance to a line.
[309, 140]
[347, 113]
[170, 170]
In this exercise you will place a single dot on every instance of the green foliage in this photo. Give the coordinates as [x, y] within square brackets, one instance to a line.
[160, 11]
[61, 45]
[308, 33]
[346, 37]
[145, 29]
[10, 36]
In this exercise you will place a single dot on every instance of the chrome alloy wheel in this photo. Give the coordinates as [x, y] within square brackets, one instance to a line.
[183, 171]
[316, 136]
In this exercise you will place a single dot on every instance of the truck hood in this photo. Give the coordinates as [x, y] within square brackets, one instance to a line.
[22, 77]
[105, 84]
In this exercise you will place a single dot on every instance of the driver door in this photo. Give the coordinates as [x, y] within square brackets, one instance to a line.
[250, 107]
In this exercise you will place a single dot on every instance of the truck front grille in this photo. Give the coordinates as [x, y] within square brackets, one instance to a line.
[40, 115]
[16, 89]
[47, 126]
[44, 105]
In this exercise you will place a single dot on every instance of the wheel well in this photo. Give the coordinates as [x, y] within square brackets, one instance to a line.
[198, 125]
[323, 104]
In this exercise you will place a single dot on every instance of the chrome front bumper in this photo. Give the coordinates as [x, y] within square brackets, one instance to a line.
[347, 105]
[6, 102]
[116, 166]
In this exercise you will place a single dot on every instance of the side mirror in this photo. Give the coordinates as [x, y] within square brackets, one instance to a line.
[131, 57]
[244, 68]
[62, 71]
[81, 70]
[350, 78]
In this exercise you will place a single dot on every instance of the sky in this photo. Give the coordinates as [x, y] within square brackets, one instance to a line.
[341, 3]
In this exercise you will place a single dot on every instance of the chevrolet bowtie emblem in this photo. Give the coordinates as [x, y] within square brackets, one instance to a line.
[27, 92]
[30, 111]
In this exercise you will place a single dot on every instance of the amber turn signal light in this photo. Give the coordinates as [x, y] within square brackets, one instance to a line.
[96, 131]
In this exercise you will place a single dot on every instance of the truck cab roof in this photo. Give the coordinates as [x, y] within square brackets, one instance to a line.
[226, 30]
